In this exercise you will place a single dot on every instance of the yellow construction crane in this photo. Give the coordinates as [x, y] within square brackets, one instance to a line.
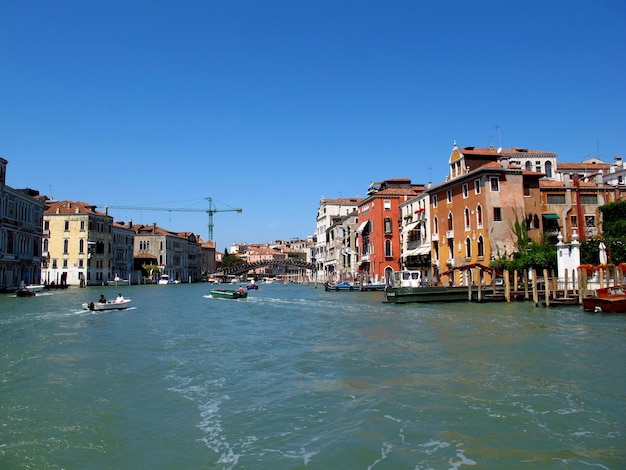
[211, 210]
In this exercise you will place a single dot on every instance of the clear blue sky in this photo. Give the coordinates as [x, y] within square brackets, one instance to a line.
[270, 105]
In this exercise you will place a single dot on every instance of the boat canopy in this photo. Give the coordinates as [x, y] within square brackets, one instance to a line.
[465, 267]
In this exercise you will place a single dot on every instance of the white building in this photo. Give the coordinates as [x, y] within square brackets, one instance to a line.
[327, 213]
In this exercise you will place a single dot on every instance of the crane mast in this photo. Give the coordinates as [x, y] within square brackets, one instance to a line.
[210, 211]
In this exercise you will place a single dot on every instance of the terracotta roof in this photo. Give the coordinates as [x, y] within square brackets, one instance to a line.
[492, 151]
[582, 166]
[412, 191]
[345, 201]
[121, 225]
[551, 184]
[71, 207]
[561, 184]
[154, 229]
[490, 165]
[531, 173]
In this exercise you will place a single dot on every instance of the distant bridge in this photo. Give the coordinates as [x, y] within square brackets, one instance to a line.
[244, 268]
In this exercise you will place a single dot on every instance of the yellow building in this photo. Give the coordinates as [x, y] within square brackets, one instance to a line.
[77, 244]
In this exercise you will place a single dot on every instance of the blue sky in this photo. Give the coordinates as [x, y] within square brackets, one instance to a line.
[271, 105]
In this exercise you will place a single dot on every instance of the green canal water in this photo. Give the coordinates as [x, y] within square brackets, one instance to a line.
[296, 377]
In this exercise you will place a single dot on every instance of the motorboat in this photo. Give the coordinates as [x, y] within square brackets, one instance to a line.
[109, 305]
[35, 287]
[406, 286]
[164, 279]
[229, 294]
[606, 300]
[373, 286]
[117, 281]
[345, 285]
[24, 293]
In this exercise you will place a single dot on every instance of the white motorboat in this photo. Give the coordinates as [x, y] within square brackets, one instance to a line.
[34, 287]
[164, 279]
[117, 281]
[110, 305]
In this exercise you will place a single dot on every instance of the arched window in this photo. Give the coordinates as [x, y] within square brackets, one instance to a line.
[529, 166]
[467, 218]
[481, 246]
[450, 221]
[549, 169]
[81, 246]
[435, 225]
[66, 246]
[479, 215]
[468, 247]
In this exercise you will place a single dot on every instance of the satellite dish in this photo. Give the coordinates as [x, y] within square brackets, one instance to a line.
[499, 149]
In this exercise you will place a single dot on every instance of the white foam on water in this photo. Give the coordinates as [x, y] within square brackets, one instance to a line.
[433, 446]
[385, 450]
[461, 460]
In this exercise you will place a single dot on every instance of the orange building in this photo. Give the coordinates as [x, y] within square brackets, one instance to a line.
[473, 212]
[379, 227]
[572, 205]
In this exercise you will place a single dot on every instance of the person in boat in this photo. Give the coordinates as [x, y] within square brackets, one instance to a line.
[103, 299]
[120, 298]
[240, 290]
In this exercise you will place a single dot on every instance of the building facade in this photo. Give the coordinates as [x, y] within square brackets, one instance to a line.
[415, 235]
[21, 223]
[77, 244]
[379, 227]
[122, 251]
[327, 213]
[572, 206]
[174, 254]
[473, 212]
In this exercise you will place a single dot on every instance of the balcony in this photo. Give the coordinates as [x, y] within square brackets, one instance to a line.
[449, 233]
[434, 237]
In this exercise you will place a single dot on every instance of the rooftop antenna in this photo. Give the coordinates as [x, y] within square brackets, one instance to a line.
[499, 132]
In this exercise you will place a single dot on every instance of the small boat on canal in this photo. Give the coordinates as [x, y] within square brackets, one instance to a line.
[606, 300]
[117, 281]
[345, 285]
[109, 305]
[24, 293]
[228, 294]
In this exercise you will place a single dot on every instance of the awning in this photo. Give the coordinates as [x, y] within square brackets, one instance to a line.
[362, 226]
[409, 227]
[550, 216]
[420, 250]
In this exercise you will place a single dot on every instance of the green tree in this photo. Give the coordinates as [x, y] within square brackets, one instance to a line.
[528, 253]
[614, 219]
[229, 261]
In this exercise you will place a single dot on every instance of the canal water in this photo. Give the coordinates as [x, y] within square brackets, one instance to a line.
[296, 377]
